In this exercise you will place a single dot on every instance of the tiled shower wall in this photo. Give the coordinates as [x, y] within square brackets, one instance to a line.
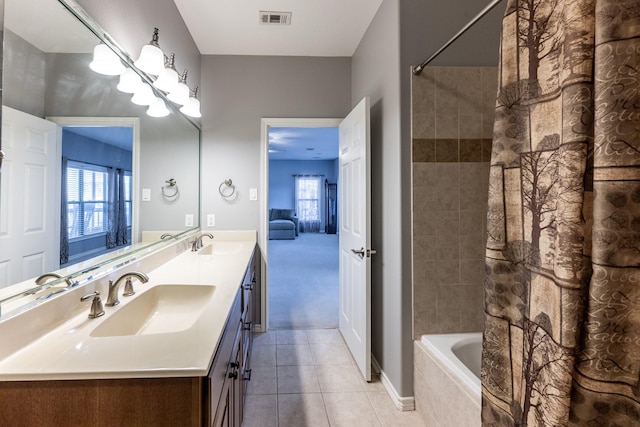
[453, 110]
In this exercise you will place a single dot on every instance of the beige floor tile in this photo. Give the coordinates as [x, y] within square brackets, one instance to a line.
[261, 411]
[292, 336]
[350, 410]
[338, 378]
[302, 410]
[391, 416]
[297, 379]
[374, 385]
[264, 338]
[263, 380]
[263, 355]
[331, 354]
[324, 336]
[299, 354]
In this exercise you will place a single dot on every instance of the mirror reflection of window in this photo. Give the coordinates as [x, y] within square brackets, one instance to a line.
[86, 199]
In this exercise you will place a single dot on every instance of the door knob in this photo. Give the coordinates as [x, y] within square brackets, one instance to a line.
[362, 252]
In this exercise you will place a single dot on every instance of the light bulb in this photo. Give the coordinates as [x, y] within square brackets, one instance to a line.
[180, 94]
[158, 109]
[105, 61]
[143, 95]
[151, 59]
[129, 81]
[169, 77]
[191, 108]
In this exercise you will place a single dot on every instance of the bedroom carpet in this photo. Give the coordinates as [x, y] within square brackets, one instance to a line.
[303, 282]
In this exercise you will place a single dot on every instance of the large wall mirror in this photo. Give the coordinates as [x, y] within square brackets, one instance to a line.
[67, 135]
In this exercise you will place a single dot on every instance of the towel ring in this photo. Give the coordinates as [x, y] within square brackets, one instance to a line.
[227, 189]
[170, 195]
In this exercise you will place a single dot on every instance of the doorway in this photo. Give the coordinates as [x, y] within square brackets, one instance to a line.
[295, 268]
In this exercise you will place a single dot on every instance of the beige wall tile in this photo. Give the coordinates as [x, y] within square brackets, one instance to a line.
[471, 271]
[424, 247]
[424, 174]
[447, 125]
[447, 273]
[470, 126]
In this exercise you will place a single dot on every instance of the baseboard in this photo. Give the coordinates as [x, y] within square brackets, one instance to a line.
[402, 403]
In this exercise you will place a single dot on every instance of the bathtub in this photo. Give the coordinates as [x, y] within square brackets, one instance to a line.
[447, 379]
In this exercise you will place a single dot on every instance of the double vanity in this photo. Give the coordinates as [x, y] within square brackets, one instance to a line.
[175, 353]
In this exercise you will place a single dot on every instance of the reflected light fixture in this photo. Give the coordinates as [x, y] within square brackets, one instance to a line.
[192, 107]
[105, 61]
[151, 59]
[143, 95]
[158, 108]
[180, 93]
[169, 77]
[129, 81]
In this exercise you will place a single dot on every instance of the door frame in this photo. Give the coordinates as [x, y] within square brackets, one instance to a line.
[265, 124]
[134, 123]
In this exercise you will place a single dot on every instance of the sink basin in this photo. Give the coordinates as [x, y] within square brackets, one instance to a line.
[160, 310]
[220, 248]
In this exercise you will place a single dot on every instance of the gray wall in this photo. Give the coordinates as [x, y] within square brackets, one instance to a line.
[376, 70]
[240, 90]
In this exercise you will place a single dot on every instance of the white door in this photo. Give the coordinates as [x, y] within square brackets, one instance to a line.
[355, 235]
[29, 221]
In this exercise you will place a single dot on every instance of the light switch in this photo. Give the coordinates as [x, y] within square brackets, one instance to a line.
[253, 194]
[146, 194]
[188, 220]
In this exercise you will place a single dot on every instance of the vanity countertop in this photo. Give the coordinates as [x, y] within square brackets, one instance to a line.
[73, 350]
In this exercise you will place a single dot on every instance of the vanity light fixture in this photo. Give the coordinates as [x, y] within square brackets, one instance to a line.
[158, 109]
[169, 78]
[180, 93]
[105, 61]
[192, 107]
[151, 59]
[129, 81]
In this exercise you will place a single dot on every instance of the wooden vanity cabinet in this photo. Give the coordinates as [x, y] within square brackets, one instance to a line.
[215, 400]
[230, 372]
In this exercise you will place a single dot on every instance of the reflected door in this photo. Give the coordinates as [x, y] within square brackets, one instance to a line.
[30, 197]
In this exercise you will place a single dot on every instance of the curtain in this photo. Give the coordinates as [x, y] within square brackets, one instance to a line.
[117, 231]
[562, 285]
[64, 220]
[308, 193]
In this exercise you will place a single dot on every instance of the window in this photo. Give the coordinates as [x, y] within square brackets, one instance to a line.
[308, 202]
[86, 199]
[127, 197]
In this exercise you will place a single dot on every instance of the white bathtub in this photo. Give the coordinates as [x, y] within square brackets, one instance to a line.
[447, 379]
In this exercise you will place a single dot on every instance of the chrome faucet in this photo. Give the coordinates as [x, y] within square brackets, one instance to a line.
[197, 243]
[43, 279]
[169, 235]
[112, 299]
[96, 304]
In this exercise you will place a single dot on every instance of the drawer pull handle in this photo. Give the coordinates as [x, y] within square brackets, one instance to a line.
[247, 375]
[233, 374]
[247, 326]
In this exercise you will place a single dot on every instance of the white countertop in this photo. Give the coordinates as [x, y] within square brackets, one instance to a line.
[69, 351]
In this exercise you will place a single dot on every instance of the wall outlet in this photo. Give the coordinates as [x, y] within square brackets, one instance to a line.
[211, 220]
[253, 194]
[188, 220]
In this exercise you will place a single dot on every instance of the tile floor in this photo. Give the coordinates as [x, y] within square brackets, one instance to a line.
[307, 378]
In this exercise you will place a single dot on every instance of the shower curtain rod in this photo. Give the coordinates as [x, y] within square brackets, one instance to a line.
[418, 68]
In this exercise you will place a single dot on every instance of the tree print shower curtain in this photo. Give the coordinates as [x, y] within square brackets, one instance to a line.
[562, 285]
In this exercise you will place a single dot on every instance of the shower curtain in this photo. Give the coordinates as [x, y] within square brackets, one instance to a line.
[562, 283]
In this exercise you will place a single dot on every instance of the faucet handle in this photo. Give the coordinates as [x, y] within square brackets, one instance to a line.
[96, 305]
[128, 288]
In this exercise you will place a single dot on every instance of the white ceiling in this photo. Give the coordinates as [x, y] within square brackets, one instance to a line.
[295, 143]
[318, 28]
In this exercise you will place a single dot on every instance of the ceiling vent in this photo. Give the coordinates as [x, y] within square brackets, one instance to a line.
[275, 18]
